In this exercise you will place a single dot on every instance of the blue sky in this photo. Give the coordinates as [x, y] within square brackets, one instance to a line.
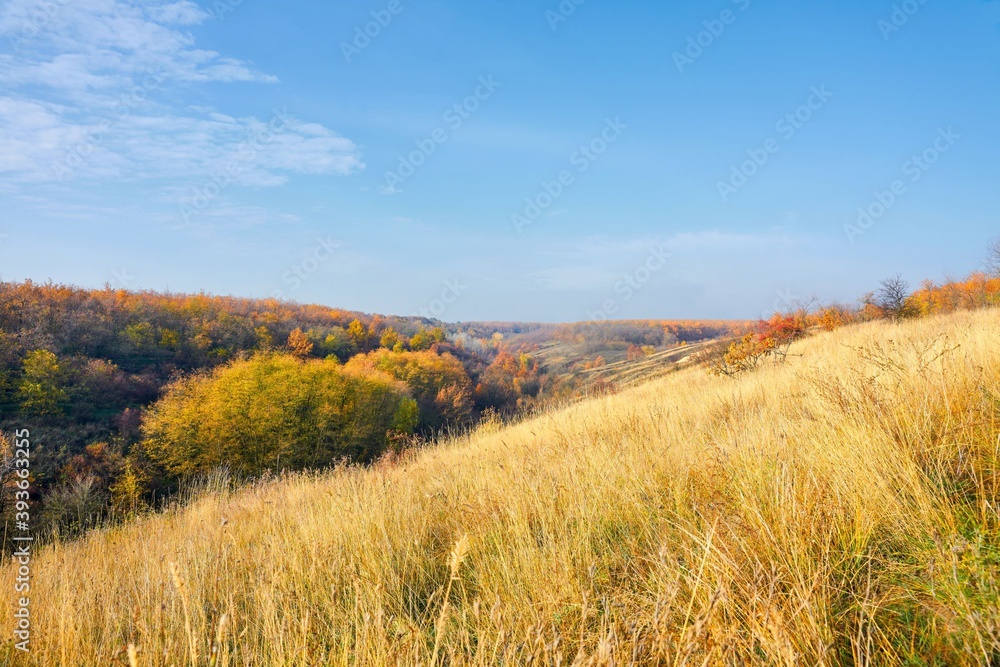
[499, 159]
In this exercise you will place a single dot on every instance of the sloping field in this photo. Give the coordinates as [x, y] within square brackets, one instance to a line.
[564, 360]
[626, 373]
[840, 509]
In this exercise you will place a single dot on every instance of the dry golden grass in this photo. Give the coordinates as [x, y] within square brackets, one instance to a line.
[840, 509]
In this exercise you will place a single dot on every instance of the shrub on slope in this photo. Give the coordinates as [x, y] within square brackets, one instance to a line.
[275, 411]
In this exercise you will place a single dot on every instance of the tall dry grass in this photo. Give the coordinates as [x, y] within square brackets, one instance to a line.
[840, 509]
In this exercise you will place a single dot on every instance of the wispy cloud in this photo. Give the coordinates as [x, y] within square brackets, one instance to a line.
[97, 85]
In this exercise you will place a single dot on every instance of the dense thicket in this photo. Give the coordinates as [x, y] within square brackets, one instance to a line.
[275, 412]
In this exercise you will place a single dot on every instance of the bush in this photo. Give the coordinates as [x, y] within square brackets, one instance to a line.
[274, 412]
[771, 338]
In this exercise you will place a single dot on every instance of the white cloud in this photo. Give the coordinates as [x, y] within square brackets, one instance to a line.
[91, 92]
[32, 132]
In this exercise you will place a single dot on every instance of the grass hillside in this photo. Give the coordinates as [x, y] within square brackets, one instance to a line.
[839, 509]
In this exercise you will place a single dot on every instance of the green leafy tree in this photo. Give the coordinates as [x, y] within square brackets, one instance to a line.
[338, 343]
[41, 389]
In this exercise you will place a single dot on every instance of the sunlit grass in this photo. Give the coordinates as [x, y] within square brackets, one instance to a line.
[839, 509]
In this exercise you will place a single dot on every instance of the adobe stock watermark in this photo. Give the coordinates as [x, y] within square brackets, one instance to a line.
[786, 127]
[450, 293]
[79, 153]
[38, 19]
[713, 30]
[454, 118]
[203, 195]
[913, 169]
[562, 13]
[220, 8]
[631, 283]
[121, 278]
[582, 159]
[900, 16]
[22, 539]
[300, 272]
[365, 34]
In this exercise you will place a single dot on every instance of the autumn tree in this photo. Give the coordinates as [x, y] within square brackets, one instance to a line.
[389, 338]
[360, 335]
[453, 404]
[7, 467]
[9, 366]
[128, 489]
[833, 317]
[299, 344]
[99, 461]
[779, 332]
[422, 340]
[507, 383]
[438, 382]
[274, 412]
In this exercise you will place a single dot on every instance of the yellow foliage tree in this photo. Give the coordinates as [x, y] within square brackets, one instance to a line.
[438, 382]
[275, 411]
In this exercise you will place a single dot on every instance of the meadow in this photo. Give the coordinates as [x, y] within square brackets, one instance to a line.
[839, 508]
